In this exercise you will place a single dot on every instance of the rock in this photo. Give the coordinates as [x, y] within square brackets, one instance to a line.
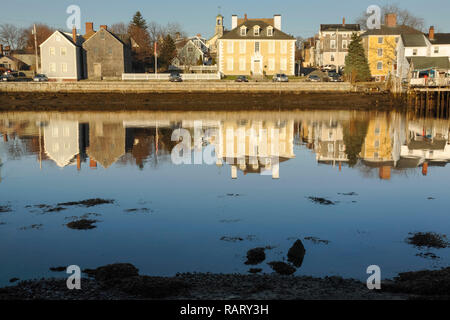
[255, 256]
[82, 224]
[13, 280]
[255, 270]
[322, 201]
[87, 203]
[113, 272]
[428, 239]
[58, 269]
[296, 254]
[151, 287]
[282, 268]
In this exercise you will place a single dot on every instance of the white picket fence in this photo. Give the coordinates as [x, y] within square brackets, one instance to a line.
[165, 76]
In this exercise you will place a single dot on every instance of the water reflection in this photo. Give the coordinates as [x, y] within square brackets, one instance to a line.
[387, 142]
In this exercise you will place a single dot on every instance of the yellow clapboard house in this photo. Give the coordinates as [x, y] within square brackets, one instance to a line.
[256, 47]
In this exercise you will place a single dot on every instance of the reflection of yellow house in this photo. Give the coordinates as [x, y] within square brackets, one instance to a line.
[61, 141]
[106, 142]
[381, 46]
[255, 147]
[377, 145]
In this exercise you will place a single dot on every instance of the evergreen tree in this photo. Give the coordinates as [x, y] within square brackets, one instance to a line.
[139, 21]
[355, 132]
[356, 64]
[167, 53]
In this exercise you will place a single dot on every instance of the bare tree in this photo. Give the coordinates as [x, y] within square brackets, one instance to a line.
[119, 28]
[12, 36]
[404, 17]
[43, 31]
[155, 31]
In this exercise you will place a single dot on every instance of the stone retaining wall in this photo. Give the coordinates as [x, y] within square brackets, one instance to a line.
[185, 87]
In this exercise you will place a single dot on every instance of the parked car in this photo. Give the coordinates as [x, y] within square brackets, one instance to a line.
[7, 77]
[175, 77]
[328, 67]
[17, 76]
[314, 78]
[241, 79]
[335, 78]
[280, 77]
[40, 78]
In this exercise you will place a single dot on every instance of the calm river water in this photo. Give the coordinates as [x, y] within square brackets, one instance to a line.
[252, 182]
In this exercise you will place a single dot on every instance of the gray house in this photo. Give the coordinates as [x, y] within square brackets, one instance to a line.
[107, 55]
[61, 57]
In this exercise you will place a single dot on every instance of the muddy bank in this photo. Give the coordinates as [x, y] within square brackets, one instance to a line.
[122, 281]
[191, 101]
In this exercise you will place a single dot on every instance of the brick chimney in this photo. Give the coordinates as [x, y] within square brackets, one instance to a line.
[89, 27]
[343, 21]
[431, 33]
[390, 20]
[245, 17]
[74, 35]
[104, 27]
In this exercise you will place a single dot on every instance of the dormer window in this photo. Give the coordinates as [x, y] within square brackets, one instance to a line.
[243, 31]
[269, 31]
[256, 30]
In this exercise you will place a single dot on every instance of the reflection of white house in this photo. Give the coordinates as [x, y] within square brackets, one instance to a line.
[61, 141]
[330, 147]
[255, 147]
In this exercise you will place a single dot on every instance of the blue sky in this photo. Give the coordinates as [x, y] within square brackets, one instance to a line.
[300, 18]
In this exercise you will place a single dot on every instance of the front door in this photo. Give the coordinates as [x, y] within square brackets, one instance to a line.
[97, 70]
[257, 70]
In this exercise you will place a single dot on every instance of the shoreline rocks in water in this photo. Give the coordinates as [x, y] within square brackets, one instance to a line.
[83, 224]
[86, 203]
[122, 281]
[428, 240]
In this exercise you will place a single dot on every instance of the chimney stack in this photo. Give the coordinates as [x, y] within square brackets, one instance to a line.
[104, 27]
[343, 21]
[277, 21]
[234, 21]
[390, 20]
[245, 17]
[89, 27]
[74, 35]
[431, 34]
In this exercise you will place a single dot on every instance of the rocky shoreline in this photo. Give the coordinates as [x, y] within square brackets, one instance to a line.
[123, 282]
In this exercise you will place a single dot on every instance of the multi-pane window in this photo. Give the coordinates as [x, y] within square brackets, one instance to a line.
[242, 47]
[243, 31]
[230, 46]
[284, 47]
[380, 65]
[242, 64]
[271, 64]
[269, 32]
[63, 51]
[344, 44]
[257, 47]
[230, 64]
[380, 52]
[63, 67]
[52, 51]
[256, 30]
[272, 47]
[52, 67]
[283, 64]
[380, 40]
[333, 44]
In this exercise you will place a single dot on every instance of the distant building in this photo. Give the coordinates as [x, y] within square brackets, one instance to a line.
[440, 43]
[106, 54]
[256, 47]
[11, 63]
[218, 33]
[61, 56]
[191, 52]
[334, 42]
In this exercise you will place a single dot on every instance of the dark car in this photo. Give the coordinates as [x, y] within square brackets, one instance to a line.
[175, 77]
[280, 77]
[40, 78]
[335, 78]
[314, 78]
[15, 76]
[7, 77]
[241, 79]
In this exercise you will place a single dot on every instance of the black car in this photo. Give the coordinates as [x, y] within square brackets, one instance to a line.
[40, 78]
[175, 77]
[15, 76]
[241, 79]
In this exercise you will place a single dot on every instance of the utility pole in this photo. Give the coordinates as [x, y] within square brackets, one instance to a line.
[156, 57]
[35, 49]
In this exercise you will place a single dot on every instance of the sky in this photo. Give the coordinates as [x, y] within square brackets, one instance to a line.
[299, 17]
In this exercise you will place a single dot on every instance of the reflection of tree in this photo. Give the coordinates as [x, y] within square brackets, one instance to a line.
[355, 132]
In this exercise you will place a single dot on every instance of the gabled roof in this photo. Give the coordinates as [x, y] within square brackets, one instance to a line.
[440, 38]
[340, 27]
[414, 40]
[123, 39]
[391, 31]
[250, 24]
[423, 63]
[64, 35]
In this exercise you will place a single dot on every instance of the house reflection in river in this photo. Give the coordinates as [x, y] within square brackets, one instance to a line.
[255, 146]
[61, 141]
[106, 142]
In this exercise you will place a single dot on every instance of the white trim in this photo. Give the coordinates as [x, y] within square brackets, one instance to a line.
[63, 35]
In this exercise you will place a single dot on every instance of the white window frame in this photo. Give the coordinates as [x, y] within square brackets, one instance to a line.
[256, 31]
[63, 51]
[272, 64]
[52, 51]
[284, 46]
[283, 64]
[257, 46]
[436, 50]
[242, 64]
[230, 46]
[272, 45]
[380, 52]
[64, 67]
[52, 67]
[270, 32]
[243, 31]
[230, 63]
[378, 65]
[382, 40]
[242, 47]
[344, 44]
[332, 44]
